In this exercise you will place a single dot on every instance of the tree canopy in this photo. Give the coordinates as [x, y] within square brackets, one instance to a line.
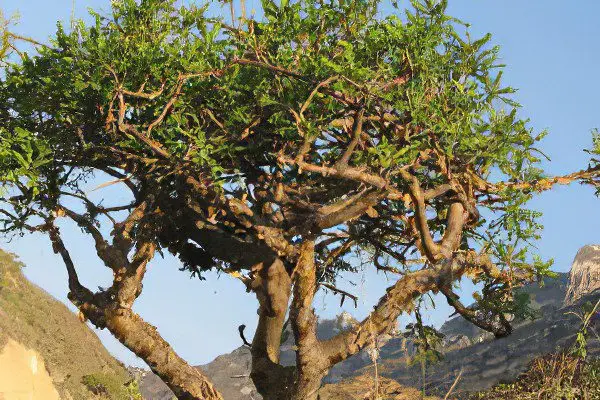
[279, 149]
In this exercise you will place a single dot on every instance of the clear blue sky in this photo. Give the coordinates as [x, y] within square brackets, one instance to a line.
[552, 49]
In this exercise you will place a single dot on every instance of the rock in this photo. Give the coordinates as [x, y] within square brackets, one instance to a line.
[585, 274]
[455, 342]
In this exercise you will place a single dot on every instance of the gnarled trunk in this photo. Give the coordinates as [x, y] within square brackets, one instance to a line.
[311, 366]
[272, 285]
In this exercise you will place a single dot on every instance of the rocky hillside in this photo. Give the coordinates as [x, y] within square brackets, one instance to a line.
[44, 346]
[485, 361]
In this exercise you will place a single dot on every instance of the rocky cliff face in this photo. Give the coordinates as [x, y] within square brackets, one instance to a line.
[585, 274]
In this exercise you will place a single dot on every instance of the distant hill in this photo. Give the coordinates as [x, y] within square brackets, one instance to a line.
[44, 345]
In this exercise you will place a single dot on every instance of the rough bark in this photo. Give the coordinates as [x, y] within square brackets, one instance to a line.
[272, 285]
[310, 364]
[186, 382]
[398, 299]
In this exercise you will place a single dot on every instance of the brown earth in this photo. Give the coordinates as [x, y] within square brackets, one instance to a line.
[365, 386]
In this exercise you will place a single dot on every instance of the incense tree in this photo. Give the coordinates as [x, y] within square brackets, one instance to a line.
[279, 150]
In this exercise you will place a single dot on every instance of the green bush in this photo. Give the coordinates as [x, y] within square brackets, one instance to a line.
[110, 387]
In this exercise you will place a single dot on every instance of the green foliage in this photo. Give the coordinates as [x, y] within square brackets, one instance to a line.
[456, 86]
[4, 37]
[589, 311]
[154, 89]
[595, 154]
[426, 339]
[22, 156]
[107, 386]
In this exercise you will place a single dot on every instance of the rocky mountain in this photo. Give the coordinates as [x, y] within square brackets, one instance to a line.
[46, 353]
[483, 360]
[585, 274]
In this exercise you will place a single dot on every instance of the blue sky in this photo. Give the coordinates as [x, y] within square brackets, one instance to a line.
[552, 52]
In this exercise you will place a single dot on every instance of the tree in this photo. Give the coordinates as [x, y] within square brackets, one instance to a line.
[277, 150]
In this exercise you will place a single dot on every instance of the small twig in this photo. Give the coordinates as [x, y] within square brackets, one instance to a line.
[453, 385]
[241, 330]
[342, 292]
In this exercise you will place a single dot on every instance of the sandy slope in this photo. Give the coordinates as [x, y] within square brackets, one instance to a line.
[23, 375]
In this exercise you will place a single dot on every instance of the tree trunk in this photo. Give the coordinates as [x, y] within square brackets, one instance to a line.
[310, 364]
[186, 382]
[272, 285]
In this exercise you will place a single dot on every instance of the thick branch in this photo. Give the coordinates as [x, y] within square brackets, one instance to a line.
[187, 382]
[357, 127]
[78, 292]
[538, 185]
[454, 229]
[353, 174]
[398, 299]
[429, 247]
[113, 258]
[347, 209]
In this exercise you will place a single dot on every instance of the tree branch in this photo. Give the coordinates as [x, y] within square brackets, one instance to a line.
[496, 323]
[356, 133]
[398, 299]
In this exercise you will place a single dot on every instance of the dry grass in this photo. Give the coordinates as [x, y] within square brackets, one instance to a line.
[554, 377]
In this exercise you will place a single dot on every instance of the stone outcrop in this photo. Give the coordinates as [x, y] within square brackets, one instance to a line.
[585, 274]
